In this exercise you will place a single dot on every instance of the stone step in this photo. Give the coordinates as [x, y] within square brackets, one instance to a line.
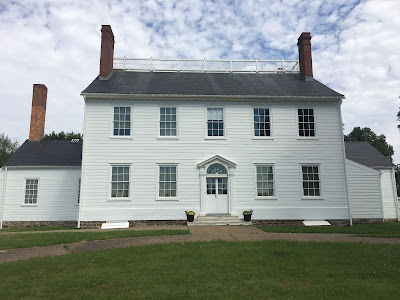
[115, 225]
[218, 220]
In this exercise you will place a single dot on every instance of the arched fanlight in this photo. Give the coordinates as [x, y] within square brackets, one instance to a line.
[216, 169]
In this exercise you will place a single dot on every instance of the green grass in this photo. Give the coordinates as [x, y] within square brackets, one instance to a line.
[215, 270]
[390, 229]
[5, 230]
[23, 240]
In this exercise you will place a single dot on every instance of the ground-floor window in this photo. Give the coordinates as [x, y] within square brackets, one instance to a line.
[265, 180]
[31, 191]
[120, 181]
[311, 181]
[167, 181]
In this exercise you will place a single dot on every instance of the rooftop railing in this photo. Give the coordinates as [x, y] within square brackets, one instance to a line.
[206, 65]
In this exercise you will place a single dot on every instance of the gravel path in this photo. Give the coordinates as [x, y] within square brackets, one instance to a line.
[198, 233]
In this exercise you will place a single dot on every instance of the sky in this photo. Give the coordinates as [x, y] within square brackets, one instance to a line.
[355, 50]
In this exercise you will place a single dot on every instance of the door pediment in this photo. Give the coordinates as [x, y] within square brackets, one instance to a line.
[217, 159]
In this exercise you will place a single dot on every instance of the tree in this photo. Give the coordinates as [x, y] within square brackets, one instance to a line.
[398, 119]
[7, 148]
[63, 136]
[367, 135]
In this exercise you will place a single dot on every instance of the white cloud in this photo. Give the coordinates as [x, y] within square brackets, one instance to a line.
[355, 49]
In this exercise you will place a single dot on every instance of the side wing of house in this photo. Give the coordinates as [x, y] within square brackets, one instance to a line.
[1, 189]
[389, 197]
[364, 191]
[41, 194]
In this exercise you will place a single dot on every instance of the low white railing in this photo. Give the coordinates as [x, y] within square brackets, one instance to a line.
[206, 65]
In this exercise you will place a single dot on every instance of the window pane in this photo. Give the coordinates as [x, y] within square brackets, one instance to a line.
[167, 181]
[31, 191]
[168, 121]
[122, 121]
[311, 184]
[306, 122]
[120, 181]
[265, 180]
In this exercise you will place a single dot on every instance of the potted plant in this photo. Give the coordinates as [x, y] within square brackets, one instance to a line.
[247, 215]
[190, 215]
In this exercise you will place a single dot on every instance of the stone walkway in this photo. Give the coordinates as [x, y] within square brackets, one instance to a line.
[198, 233]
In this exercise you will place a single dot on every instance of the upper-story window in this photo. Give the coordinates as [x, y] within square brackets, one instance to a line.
[262, 122]
[122, 121]
[168, 122]
[306, 122]
[215, 122]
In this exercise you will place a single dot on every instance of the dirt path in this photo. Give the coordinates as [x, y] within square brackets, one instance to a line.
[198, 233]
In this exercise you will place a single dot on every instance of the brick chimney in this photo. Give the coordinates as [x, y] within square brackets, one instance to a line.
[305, 61]
[38, 115]
[107, 51]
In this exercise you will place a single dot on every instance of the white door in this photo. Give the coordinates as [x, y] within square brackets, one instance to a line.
[217, 195]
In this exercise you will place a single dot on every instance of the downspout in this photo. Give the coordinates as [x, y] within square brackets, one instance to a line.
[345, 164]
[380, 195]
[3, 199]
[396, 200]
[82, 167]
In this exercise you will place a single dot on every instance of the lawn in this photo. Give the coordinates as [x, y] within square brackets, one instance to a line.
[214, 270]
[24, 240]
[22, 229]
[390, 229]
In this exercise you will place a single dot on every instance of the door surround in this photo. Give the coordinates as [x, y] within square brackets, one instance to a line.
[230, 167]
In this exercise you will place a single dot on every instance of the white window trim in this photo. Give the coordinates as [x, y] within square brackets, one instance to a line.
[206, 137]
[24, 190]
[316, 137]
[256, 197]
[162, 137]
[271, 121]
[122, 137]
[305, 164]
[110, 178]
[158, 198]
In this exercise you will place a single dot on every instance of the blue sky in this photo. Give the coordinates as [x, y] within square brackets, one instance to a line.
[355, 49]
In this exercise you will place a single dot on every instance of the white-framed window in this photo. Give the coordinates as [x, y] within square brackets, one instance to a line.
[265, 181]
[215, 122]
[311, 182]
[31, 191]
[261, 122]
[79, 190]
[122, 121]
[120, 181]
[168, 124]
[306, 122]
[167, 181]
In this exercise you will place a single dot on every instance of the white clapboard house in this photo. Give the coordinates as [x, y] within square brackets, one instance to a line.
[217, 137]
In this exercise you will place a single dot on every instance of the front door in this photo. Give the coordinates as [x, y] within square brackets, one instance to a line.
[217, 195]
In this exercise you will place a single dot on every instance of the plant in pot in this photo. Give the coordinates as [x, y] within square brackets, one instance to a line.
[190, 215]
[247, 215]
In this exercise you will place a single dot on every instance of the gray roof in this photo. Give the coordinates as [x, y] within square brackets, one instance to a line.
[365, 154]
[209, 84]
[54, 153]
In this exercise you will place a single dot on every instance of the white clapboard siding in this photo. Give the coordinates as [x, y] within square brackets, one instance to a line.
[144, 150]
[1, 188]
[364, 191]
[57, 194]
[388, 196]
